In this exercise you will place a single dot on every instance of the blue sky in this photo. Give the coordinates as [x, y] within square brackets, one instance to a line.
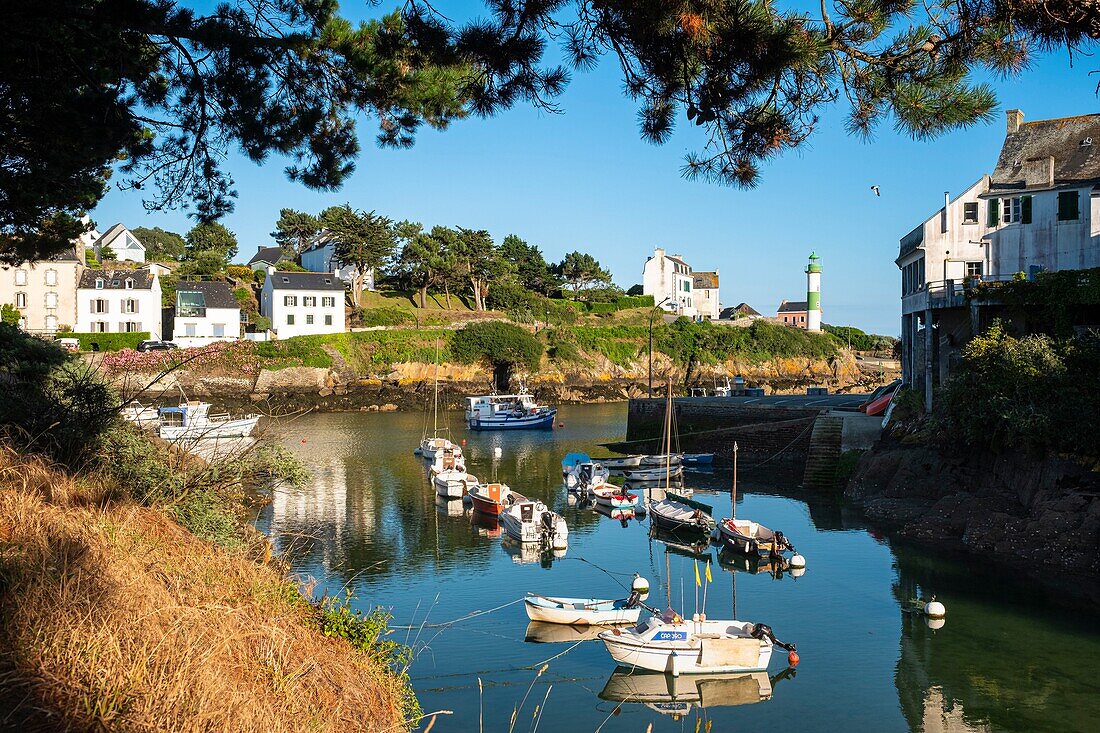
[584, 180]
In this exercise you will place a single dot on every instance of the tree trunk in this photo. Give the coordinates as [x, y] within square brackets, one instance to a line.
[357, 287]
[447, 292]
[424, 295]
[475, 287]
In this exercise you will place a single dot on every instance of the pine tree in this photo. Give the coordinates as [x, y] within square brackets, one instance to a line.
[295, 231]
[362, 240]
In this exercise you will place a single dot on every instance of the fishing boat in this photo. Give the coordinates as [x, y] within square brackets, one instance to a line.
[580, 473]
[508, 412]
[612, 496]
[581, 611]
[430, 447]
[698, 459]
[540, 632]
[751, 538]
[677, 696]
[662, 460]
[492, 498]
[449, 474]
[654, 474]
[534, 522]
[678, 646]
[140, 415]
[193, 421]
[681, 515]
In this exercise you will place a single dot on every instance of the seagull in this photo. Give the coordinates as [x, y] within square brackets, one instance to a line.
[875, 189]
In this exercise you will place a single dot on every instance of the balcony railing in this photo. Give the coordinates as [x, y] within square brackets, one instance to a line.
[190, 311]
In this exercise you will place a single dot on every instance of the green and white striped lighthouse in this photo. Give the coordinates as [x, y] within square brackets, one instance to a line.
[813, 293]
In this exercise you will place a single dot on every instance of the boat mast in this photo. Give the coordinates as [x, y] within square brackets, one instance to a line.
[733, 489]
[435, 397]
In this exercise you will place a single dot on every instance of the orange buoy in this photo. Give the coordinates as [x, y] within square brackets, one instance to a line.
[463, 441]
[303, 441]
[561, 425]
[792, 658]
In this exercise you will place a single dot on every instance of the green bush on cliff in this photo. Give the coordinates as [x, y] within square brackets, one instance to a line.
[305, 351]
[1030, 392]
[496, 343]
[386, 316]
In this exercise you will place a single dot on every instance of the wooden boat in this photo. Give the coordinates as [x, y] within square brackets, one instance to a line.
[492, 498]
[580, 611]
[508, 412]
[751, 538]
[193, 421]
[654, 474]
[540, 632]
[677, 696]
[676, 646]
[614, 497]
[679, 514]
[531, 521]
[662, 459]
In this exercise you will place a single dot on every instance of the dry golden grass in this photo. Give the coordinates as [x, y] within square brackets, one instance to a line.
[112, 617]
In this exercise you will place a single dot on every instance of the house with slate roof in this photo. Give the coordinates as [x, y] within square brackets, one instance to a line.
[205, 312]
[672, 283]
[1039, 211]
[266, 257]
[303, 303]
[122, 242]
[44, 292]
[792, 313]
[118, 301]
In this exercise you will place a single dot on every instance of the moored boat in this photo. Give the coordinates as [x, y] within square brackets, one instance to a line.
[751, 538]
[581, 611]
[449, 474]
[430, 447]
[614, 497]
[654, 474]
[140, 415]
[492, 498]
[679, 514]
[662, 459]
[580, 473]
[676, 696]
[622, 463]
[193, 421]
[508, 412]
[534, 522]
[540, 632]
[698, 459]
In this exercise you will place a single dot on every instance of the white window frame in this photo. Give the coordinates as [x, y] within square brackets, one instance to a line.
[21, 277]
[100, 305]
[290, 319]
[309, 301]
[190, 330]
[99, 283]
[290, 301]
[51, 300]
[21, 299]
[328, 301]
[975, 264]
[51, 277]
[129, 283]
[51, 322]
[1011, 210]
[309, 319]
[219, 330]
[328, 320]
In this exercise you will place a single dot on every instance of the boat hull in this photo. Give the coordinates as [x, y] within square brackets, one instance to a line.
[692, 655]
[511, 422]
[534, 531]
[653, 474]
[241, 428]
[451, 484]
[680, 521]
[748, 538]
[604, 612]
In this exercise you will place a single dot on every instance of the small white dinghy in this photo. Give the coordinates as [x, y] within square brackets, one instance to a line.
[654, 474]
[581, 611]
[662, 460]
[140, 415]
[677, 646]
[620, 464]
[612, 496]
[193, 421]
[679, 514]
[532, 521]
[431, 447]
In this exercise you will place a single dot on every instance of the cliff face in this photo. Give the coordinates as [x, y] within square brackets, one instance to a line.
[1039, 514]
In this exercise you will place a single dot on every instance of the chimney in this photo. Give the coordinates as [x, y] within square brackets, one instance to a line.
[259, 249]
[1015, 119]
[945, 223]
[658, 252]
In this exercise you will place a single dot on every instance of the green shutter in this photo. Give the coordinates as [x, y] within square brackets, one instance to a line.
[1068, 206]
[994, 212]
[1025, 210]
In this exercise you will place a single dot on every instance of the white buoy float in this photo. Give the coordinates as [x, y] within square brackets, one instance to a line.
[640, 586]
[934, 609]
[497, 453]
[798, 562]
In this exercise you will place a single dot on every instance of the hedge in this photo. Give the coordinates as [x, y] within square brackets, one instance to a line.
[108, 341]
[385, 316]
[627, 302]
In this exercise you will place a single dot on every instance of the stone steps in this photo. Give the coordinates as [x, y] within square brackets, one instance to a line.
[824, 453]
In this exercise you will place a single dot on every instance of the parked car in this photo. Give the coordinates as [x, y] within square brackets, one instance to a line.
[68, 344]
[156, 346]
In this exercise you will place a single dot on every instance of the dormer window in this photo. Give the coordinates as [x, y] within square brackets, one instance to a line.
[1086, 142]
[114, 283]
[99, 283]
[129, 283]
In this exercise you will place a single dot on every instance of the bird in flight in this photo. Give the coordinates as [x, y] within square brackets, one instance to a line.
[875, 189]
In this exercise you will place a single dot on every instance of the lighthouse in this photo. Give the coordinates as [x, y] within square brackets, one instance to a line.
[813, 293]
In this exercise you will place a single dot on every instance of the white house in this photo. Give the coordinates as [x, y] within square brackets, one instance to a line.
[1038, 211]
[303, 303]
[43, 292]
[669, 280]
[205, 312]
[118, 301]
[125, 245]
[704, 294]
[321, 257]
[266, 257]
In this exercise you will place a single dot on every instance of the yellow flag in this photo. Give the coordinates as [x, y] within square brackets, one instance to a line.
[709, 579]
[697, 580]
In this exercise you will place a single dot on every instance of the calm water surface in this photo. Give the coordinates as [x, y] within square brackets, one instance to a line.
[371, 522]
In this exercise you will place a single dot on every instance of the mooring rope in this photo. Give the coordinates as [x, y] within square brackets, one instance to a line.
[467, 617]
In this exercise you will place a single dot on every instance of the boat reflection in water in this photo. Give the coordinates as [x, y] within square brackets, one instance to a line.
[677, 696]
[450, 507]
[525, 553]
[487, 524]
[541, 632]
[777, 566]
[689, 546]
[622, 516]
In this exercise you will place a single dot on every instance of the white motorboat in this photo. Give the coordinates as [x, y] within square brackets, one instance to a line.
[140, 415]
[676, 696]
[751, 538]
[581, 611]
[193, 421]
[583, 474]
[532, 521]
[430, 447]
[654, 474]
[662, 459]
[449, 474]
[619, 464]
[612, 496]
[508, 412]
[677, 646]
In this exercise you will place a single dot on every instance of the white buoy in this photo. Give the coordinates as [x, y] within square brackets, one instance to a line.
[935, 623]
[797, 572]
[935, 610]
[497, 452]
[641, 586]
[798, 562]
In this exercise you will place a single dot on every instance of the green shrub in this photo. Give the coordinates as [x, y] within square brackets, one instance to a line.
[386, 316]
[9, 314]
[497, 343]
[305, 351]
[634, 301]
[602, 307]
[109, 341]
[860, 340]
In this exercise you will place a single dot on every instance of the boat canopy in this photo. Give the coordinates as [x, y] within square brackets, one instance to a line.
[575, 459]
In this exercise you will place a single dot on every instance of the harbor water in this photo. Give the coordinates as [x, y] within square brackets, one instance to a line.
[1006, 659]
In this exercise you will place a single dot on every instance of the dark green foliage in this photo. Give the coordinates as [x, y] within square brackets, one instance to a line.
[52, 404]
[425, 257]
[9, 314]
[160, 245]
[531, 270]
[1053, 302]
[299, 351]
[295, 230]
[1028, 392]
[635, 290]
[210, 237]
[496, 343]
[110, 341]
[860, 340]
[634, 300]
[363, 240]
[581, 271]
[385, 317]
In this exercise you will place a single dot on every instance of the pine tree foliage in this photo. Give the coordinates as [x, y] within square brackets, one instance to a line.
[295, 231]
[362, 240]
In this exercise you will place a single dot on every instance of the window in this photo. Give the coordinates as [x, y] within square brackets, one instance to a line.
[973, 269]
[20, 300]
[219, 330]
[802, 318]
[328, 302]
[51, 323]
[290, 319]
[309, 301]
[99, 327]
[99, 306]
[51, 300]
[970, 213]
[129, 283]
[131, 327]
[189, 329]
[328, 320]
[1016, 210]
[309, 319]
[130, 306]
[1011, 208]
[1069, 206]
[51, 277]
[686, 286]
[20, 277]
[99, 283]
[290, 300]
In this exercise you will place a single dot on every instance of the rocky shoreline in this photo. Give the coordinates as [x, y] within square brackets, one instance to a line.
[1038, 515]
